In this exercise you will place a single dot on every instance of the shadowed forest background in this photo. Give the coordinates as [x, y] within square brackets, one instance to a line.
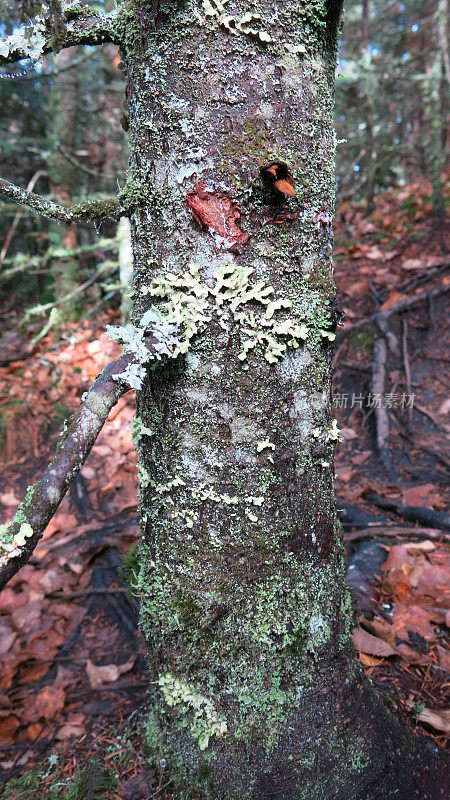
[72, 666]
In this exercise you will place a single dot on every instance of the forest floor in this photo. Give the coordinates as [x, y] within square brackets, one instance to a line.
[72, 666]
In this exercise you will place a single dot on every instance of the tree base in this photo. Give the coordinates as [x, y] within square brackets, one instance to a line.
[341, 744]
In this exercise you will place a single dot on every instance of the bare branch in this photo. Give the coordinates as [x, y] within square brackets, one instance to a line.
[88, 210]
[381, 412]
[44, 497]
[55, 72]
[396, 308]
[81, 25]
[16, 219]
[20, 536]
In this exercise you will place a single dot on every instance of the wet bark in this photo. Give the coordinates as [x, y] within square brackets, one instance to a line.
[255, 693]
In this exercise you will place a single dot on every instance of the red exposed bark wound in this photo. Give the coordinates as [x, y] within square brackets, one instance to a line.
[215, 212]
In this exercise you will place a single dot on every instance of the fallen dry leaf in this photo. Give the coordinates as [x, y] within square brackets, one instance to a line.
[34, 730]
[369, 661]
[425, 495]
[440, 720]
[26, 617]
[371, 645]
[374, 253]
[107, 673]
[348, 434]
[8, 727]
[444, 657]
[412, 619]
[445, 407]
[434, 581]
[424, 547]
[9, 499]
[50, 701]
[394, 297]
[412, 263]
[360, 458]
[398, 557]
[7, 636]
[381, 629]
[75, 727]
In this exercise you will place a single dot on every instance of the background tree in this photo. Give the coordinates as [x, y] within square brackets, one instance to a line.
[60, 119]
[255, 692]
[392, 95]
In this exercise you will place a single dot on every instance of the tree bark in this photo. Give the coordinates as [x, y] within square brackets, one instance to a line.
[62, 174]
[255, 693]
[432, 76]
[368, 90]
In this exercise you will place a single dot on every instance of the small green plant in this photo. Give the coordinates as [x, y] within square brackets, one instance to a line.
[363, 338]
[90, 782]
[129, 570]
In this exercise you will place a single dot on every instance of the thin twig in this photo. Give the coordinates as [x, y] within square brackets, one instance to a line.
[407, 369]
[381, 414]
[426, 413]
[53, 72]
[402, 305]
[74, 161]
[16, 219]
[412, 533]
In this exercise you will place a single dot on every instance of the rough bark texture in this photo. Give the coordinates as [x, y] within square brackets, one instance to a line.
[241, 571]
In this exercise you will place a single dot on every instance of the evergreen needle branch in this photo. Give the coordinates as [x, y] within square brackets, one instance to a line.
[89, 210]
[21, 535]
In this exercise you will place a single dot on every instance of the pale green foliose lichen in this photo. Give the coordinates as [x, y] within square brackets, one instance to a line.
[190, 303]
[214, 13]
[29, 39]
[12, 546]
[198, 712]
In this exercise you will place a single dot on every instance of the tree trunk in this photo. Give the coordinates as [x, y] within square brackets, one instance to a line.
[432, 108]
[255, 693]
[368, 90]
[62, 173]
